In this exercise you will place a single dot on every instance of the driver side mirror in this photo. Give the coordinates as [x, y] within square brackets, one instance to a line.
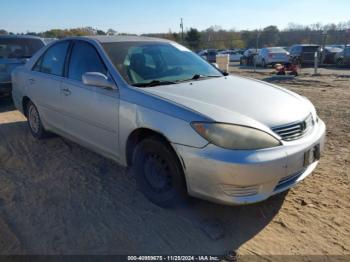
[97, 79]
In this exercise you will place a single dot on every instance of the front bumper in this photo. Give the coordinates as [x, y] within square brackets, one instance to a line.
[244, 177]
[5, 88]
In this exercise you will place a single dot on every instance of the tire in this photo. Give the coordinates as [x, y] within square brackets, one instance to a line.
[158, 173]
[34, 122]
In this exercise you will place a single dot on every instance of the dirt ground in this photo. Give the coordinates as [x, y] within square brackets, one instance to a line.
[59, 198]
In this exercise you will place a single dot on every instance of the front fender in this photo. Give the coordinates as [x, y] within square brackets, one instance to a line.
[138, 110]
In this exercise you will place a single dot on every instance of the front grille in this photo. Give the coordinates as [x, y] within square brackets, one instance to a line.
[295, 131]
[289, 180]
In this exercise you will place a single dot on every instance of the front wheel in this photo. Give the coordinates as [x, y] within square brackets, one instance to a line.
[34, 122]
[158, 173]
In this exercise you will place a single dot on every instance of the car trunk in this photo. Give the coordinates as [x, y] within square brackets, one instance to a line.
[7, 66]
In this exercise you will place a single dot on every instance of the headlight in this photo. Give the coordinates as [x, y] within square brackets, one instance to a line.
[235, 136]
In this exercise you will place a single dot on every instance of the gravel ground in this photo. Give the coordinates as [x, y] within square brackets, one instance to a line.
[59, 198]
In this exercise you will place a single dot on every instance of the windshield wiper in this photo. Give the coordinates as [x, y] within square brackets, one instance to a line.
[155, 83]
[197, 76]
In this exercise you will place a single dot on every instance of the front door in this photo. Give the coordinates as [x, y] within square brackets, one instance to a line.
[91, 112]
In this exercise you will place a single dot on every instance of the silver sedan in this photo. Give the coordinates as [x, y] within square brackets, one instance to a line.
[183, 126]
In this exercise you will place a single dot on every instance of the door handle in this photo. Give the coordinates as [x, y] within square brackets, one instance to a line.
[66, 91]
[31, 81]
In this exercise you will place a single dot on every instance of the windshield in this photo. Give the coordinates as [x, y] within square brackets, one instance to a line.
[19, 48]
[144, 62]
[333, 49]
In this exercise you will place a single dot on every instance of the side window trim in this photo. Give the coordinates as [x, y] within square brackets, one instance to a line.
[67, 59]
[38, 63]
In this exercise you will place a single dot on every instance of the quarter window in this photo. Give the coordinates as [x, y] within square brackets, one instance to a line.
[52, 62]
[84, 58]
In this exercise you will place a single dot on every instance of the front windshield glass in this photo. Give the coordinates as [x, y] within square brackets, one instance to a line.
[19, 48]
[144, 62]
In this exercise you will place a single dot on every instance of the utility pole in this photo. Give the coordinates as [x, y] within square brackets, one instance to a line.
[324, 41]
[182, 30]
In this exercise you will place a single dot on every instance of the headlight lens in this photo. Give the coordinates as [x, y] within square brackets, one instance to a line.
[235, 136]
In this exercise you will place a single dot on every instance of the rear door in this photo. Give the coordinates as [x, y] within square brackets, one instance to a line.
[91, 112]
[44, 84]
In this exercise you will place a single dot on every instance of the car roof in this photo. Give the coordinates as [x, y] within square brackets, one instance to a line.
[123, 38]
[20, 37]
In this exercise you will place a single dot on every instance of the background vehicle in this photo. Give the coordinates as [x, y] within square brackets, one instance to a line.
[248, 57]
[338, 46]
[272, 55]
[303, 54]
[328, 54]
[343, 58]
[203, 54]
[48, 40]
[235, 56]
[211, 55]
[15, 51]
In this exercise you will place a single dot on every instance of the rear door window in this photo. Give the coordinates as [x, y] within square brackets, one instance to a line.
[52, 61]
[84, 58]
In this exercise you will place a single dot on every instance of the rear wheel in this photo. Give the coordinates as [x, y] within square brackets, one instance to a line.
[34, 122]
[158, 173]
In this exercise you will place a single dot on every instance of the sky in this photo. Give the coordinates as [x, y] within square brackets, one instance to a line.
[152, 16]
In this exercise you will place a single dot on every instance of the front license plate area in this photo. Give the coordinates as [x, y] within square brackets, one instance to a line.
[312, 155]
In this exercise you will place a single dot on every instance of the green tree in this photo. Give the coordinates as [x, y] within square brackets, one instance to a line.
[269, 36]
[111, 32]
[192, 38]
[100, 32]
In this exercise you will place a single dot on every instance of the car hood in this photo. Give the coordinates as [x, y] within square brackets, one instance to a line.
[238, 100]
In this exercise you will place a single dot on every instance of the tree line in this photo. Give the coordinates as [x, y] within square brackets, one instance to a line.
[218, 38]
